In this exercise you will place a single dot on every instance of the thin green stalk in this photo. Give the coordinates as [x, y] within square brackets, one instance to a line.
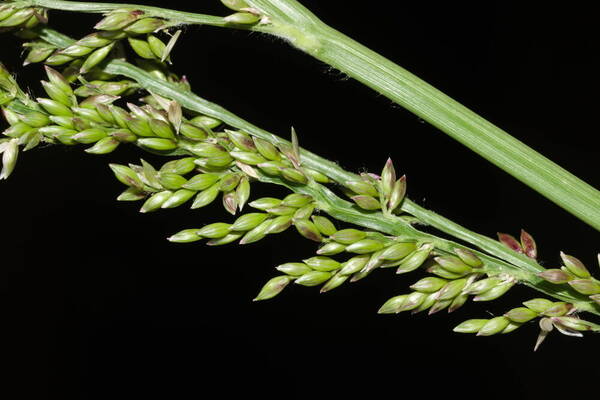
[510, 262]
[293, 22]
[179, 17]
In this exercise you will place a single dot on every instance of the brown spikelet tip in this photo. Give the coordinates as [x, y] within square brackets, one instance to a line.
[510, 242]
[528, 244]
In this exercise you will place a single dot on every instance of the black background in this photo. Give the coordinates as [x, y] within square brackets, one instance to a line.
[97, 304]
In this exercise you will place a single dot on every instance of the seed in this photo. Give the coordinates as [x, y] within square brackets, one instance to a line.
[313, 278]
[273, 287]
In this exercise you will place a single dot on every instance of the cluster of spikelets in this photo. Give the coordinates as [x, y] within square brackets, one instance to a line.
[214, 160]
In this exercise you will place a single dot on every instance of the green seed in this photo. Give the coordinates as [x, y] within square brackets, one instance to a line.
[91, 135]
[88, 115]
[145, 25]
[241, 140]
[159, 144]
[216, 230]
[453, 264]
[313, 278]
[558, 309]
[324, 225]
[9, 158]
[126, 175]
[575, 266]
[458, 302]
[192, 132]
[483, 285]
[348, 236]
[257, 233]
[242, 192]
[538, 305]
[123, 135]
[273, 287]
[272, 168]
[21, 128]
[451, 289]
[131, 194]
[398, 251]
[365, 246]
[266, 149]
[162, 129]
[429, 285]
[495, 292]
[16, 18]
[317, 176]
[294, 269]
[58, 59]
[95, 58]
[397, 195]
[206, 197]
[205, 149]
[171, 181]
[76, 50]
[585, 286]
[55, 108]
[281, 210]
[393, 305]
[355, 264]
[242, 18]
[412, 301]
[201, 181]
[334, 282]
[556, 276]
[367, 202]
[229, 238]
[304, 212]
[521, 314]
[296, 200]
[178, 198]
[94, 40]
[362, 187]
[265, 203]
[229, 182]
[279, 224]
[155, 201]
[230, 202]
[470, 326]
[117, 20]
[294, 176]
[185, 236]
[308, 230]
[141, 48]
[248, 221]
[429, 301]
[206, 121]
[331, 248]
[35, 119]
[120, 115]
[415, 260]
[320, 263]
[493, 326]
[57, 94]
[469, 258]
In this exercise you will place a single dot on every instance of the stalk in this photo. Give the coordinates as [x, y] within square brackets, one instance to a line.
[293, 22]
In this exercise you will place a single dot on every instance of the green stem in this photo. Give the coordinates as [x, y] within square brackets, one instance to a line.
[510, 262]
